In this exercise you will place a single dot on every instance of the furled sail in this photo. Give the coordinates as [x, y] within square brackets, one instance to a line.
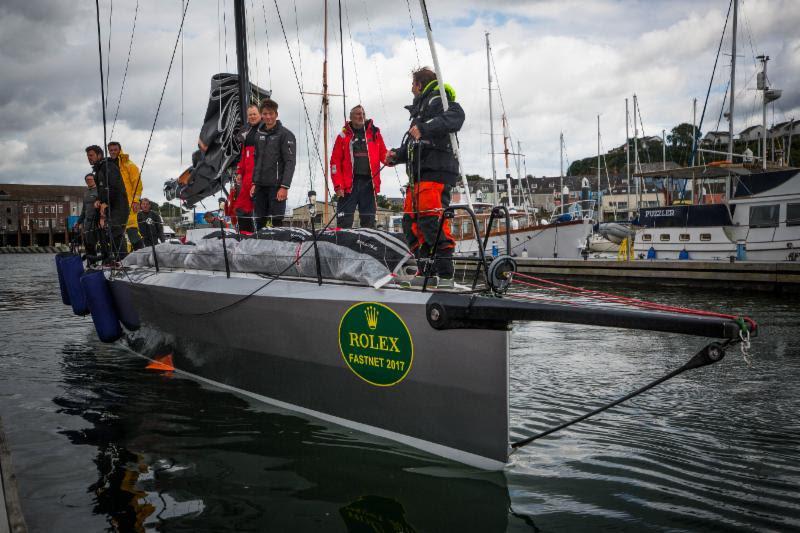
[218, 146]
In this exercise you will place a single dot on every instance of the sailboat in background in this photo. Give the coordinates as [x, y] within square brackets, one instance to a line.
[565, 235]
[759, 215]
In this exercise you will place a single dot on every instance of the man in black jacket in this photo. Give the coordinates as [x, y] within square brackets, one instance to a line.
[432, 169]
[151, 226]
[274, 167]
[112, 202]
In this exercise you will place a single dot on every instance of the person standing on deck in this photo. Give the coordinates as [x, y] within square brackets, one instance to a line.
[133, 188]
[151, 226]
[357, 155]
[240, 206]
[274, 167]
[87, 222]
[112, 203]
[432, 168]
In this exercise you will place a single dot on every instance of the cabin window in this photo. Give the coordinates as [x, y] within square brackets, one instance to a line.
[705, 236]
[764, 216]
[793, 214]
[664, 237]
[466, 227]
[647, 237]
[684, 237]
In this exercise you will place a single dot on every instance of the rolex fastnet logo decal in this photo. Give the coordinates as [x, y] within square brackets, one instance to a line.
[376, 344]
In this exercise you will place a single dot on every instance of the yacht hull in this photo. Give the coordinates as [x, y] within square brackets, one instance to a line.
[280, 342]
[565, 240]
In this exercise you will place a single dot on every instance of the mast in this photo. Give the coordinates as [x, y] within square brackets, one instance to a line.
[597, 200]
[561, 171]
[518, 163]
[443, 94]
[241, 58]
[491, 118]
[762, 84]
[627, 157]
[694, 125]
[636, 153]
[325, 110]
[733, 81]
[508, 169]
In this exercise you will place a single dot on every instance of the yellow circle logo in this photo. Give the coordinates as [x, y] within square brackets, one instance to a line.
[376, 344]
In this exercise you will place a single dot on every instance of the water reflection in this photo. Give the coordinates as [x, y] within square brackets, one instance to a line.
[173, 452]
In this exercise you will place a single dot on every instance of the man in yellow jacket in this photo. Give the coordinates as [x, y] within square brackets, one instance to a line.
[133, 187]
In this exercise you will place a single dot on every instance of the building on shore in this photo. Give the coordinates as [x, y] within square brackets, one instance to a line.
[38, 214]
[300, 217]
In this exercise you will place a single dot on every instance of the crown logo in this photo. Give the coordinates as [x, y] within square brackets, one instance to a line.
[372, 317]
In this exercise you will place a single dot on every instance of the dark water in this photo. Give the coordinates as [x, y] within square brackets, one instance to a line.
[100, 443]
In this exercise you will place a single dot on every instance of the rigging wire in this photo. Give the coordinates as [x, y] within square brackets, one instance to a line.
[225, 26]
[413, 33]
[255, 42]
[341, 55]
[182, 77]
[161, 99]
[102, 101]
[306, 126]
[644, 136]
[380, 84]
[352, 52]
[708, 91]
[127, 62]
[108, 54]
[266, 32]
[297, 80]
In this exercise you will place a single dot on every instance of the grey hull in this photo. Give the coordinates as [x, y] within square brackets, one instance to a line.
[279, 342]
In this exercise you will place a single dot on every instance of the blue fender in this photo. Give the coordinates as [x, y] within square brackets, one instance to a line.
[62, 285]
[71, 270]
[98, 295]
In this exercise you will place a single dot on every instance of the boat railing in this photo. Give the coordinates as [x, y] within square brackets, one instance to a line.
[580, 209]
[495, 214]
[448, 215]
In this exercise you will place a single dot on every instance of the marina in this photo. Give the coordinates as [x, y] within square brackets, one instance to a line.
[316, 347]
[97, 439]
[764, 276]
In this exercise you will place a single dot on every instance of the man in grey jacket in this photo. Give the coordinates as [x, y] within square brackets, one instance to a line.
[87, 222]
[274, 167]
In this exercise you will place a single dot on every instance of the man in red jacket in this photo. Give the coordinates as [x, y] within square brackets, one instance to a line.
[240, 207]
[357, 155]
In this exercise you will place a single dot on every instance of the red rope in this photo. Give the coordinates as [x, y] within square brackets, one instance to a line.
[569, 289]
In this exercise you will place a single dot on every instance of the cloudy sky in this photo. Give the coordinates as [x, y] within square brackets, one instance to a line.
[559, 64]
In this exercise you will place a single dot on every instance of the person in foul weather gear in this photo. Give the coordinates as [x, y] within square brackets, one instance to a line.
[432, 169]
[275, 159]
[240, 204]
[151, 226]
[112, 203]
[133, 188]
[356, 160]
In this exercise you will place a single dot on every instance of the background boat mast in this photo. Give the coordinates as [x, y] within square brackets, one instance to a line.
[627, 157]
[561, 169]
[733, 81]
[491, 118]
[506, 138]
[597, 200]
